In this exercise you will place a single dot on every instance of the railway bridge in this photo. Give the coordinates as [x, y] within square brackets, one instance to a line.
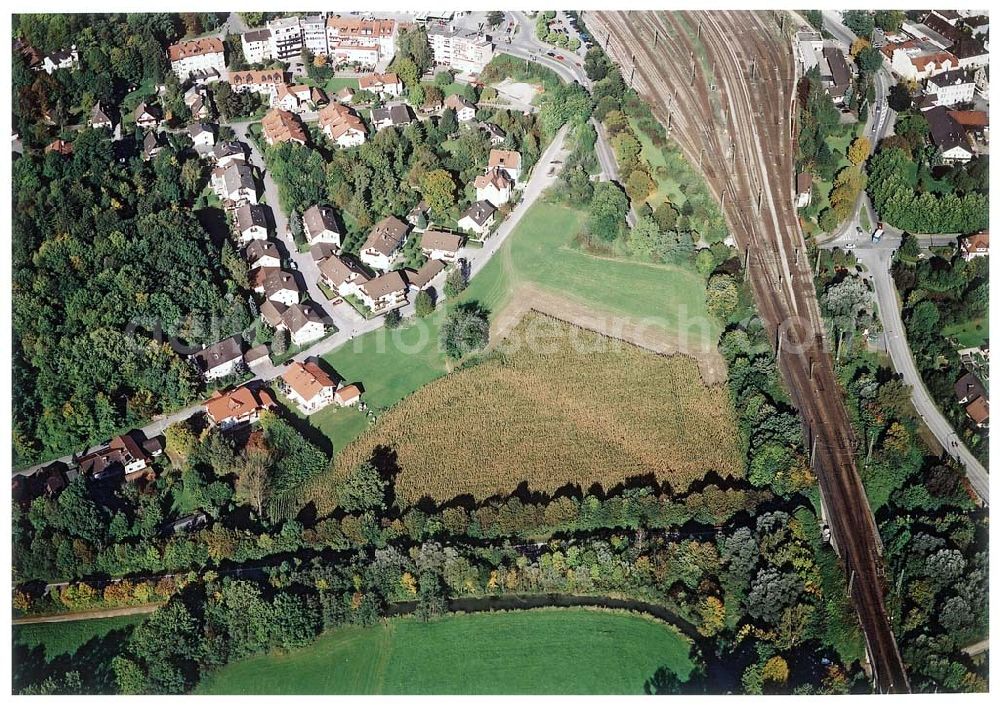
[725, 84]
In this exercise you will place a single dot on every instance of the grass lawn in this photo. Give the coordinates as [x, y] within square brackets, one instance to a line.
[394, 364]
[338, 83]
[66, 638]
[970, 334]
[340, 425]
[544, 651]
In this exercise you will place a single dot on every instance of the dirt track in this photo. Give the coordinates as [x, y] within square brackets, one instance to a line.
[527, 297]
[725, 84]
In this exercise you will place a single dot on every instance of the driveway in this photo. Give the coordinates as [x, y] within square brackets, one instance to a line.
[304, 262]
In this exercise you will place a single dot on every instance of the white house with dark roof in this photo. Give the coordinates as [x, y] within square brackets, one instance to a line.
[478, 218]
[280, 286]
[220, 359]
[342, 275]
[464, 110]
[319, 224]
[62, 59]
[235, 183]
[303, 323]
[228, 152]
[147, 116]
[262, 253]
[384, 243]
[383, 293]
[202, 134]
[99, 119]
[439, 245]
[251, 223]
[391, 116]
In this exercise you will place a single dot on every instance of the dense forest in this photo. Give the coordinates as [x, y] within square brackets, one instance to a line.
[108, 261]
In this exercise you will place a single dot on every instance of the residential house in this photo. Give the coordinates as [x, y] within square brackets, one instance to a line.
[260, 82]
[384, 243]
[495, 133]
[494, 186]
[320, 225]
[280, 286]
[948, 136]
[196, 99]
[259, 276]
[438, 245]
[383, 293]
[297, 98]
[347, 395]
[129, 454]
[803, 189]
[974, 122]
[148, 116]
[419, 280]
[228, 153]
[345, 94]
[63, 59]
[418, 215]
[838, 77]
[342, 126]
[237, 407]
[60, 146]
[235, 184]
[975, 245]
[968, 387]
[952, 87]
[382, 85]
[220, 359]
[478, 218]
[971, 53]
[258, 355]
[261, 253]
[309, 386]
[979, 412]
[464, 110]
[507, 160]
[198, 57]
[342, 275]
[256, 45]
[462, 50]
[320, 251]
[99, 119]
[251, 223]
[302, 321]
[391, 116]
[151, 145]
[202, 134]
[282, 126]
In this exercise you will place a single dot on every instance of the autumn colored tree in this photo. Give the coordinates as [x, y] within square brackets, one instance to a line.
[859, 150]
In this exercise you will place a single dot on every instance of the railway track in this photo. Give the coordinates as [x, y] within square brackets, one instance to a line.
[725, 84]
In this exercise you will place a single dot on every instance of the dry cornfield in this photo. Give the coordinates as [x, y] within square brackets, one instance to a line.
[579, 408]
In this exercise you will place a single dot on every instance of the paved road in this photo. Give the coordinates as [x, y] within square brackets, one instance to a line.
[526, 45]
[878, 259]
[88, 614]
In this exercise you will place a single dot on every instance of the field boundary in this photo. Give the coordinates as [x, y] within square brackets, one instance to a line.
[529, 298]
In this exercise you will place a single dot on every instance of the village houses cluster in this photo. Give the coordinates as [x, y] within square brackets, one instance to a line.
[373, 282]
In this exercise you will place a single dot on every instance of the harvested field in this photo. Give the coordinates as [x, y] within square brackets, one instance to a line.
[555, 405]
